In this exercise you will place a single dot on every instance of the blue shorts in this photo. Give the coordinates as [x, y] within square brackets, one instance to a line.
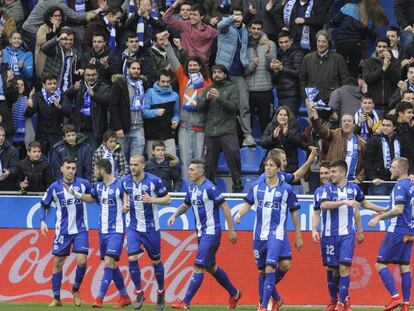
[336, 250]
[62, 244]
[110, 244]
[151, 241]
[207, 249]
[271, 251]
[394, 250]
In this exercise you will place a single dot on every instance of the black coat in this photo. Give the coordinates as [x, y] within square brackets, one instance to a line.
[39, 174]
[120, 106]
[9, 157]
[404, 12]
[167, 171]
[11, 94]
[405, 134]
[114, 64]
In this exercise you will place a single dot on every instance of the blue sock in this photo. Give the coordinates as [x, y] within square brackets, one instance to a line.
[279, 275]
[343, 288]
[275, 294]
[195, 283]
[135, 274]
[80, 273]
[56, 282]
[119, 281]
[261, 283]
[388, 281]
[268, 288]
[159, 275]
[406, 285]
[332, 285]
[224, 281]
[107, 277]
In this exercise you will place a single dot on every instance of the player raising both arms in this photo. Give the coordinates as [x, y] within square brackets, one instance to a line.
[71, 227]
[273, 199]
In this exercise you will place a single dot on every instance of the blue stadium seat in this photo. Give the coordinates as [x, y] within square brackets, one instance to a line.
[303, 123]
[247, 182]
[184, 186]
[221, 184]
[301, 157]
[251, 158]
[222, 167]
[256, 131]
[275, 100]
[298, 189]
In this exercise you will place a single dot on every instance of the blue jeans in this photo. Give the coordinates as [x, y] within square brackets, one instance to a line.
[191, 147]
[133, 142]
[382, 189]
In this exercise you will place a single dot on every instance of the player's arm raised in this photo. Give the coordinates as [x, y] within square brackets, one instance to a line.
[227, 215]
[398, 209]
[181, 210]
[301, 171]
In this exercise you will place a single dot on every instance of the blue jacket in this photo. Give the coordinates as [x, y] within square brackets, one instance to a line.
[227, 43]
[159, 127]
[26, 56]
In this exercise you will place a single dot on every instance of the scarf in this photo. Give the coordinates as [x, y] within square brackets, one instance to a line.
[18, 114]
[141, 27]
[224, 5]
[2, 97]
[131, 8]
[13, 62]
[79, 5]
[410, 86]
[195, 82]
[87, 102]
[311, 93]
[109, 156]
[49, 99]
[137, 100]
[112, 34]
[351, 156]
[386, 152]
[287, 11]
[364, 127]
[169, 3]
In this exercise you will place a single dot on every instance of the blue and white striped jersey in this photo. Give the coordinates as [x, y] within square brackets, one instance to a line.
[403, 193]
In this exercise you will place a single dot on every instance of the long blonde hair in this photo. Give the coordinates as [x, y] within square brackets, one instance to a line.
[372, 10]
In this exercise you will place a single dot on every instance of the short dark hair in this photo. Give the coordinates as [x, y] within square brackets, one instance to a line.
[383, 39]
[67, 30]
[99, 34]
[402, 107]
[48, 76]
[155, 33]
[389, 118]
[68, 128]
[325, 164]
[408, 91]
[274, 159]
[131, 35]
[236, 8]
[132, 61]
[108, 134]
[163, 72]
[158, 143]
[410, 65]
[284, 33]
[69, 160]
[199, 9]
[105, 165]
[200, 162]
[91, 66]
[339, 163]
[114, 9]
[256, 22]
[34, 144]
[396, 29]
[220, 67]
[367, 96]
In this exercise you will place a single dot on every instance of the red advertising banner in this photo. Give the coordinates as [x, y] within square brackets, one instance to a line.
[26, 269]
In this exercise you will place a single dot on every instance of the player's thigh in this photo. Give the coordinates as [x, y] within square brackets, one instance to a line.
[259, 253]
[346, 245]
[62, 245]
[133, 242]
[81, 243]
[207, 248]
[274, 247]
[152, 244]
[285, 250]
[113, 246]
[329, 251]
[394, 250]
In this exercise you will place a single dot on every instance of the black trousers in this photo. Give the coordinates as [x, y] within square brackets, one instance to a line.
[260, 103]
[353, 52]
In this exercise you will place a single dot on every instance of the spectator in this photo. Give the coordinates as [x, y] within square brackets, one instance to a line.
[283, 132]
[356, 24]
[161, 113]
[34, 173]
[403, 86]
[112, 151]
[259, 79]
[303, 19]
[8, 95]
[408, 96]
[62, 59]
[164, 166]
[158, 53]
[345, 99]
[192, 79]
[286, 70]
[15, 9]
[184, 15]
[19, 60]
[217, 9]
[404, 12]
[53, 20]
[381, 73]
[127, 100]
[47, 103]
[8, 26]
[91, 98]
[107, 23]
[343, 144]
[393, 34]
[232, 53]
[9, 159]
[405, 132]
[196, 37]
[74, 145]
[323, 68]
[380, 151]
[219, 101]
[366, 117]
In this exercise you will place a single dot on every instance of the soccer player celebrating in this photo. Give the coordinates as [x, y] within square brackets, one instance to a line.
[205, 199]
[398, 242]
[109, 193]
[273, 198]
[143, 191]
[71, 228]
[340, 202]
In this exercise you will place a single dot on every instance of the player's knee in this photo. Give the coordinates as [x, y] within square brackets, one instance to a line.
[284, 265]
[270, 269]
[343, 270]
[81, 260]
[109, 262]
[404, 268]
[197, 269]
[262, 272]
[156, 262]
[379, 266]
[58, 263]
[133, 258]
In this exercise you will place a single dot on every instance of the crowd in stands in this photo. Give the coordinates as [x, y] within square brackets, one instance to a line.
[177, 80]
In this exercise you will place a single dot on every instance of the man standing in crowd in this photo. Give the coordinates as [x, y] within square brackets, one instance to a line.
[9, 159]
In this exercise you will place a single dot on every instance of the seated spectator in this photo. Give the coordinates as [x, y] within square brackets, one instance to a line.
[112, 151]
[283, 133]
[405, 132]
[258, 78]
[90, 99]
[196, 37]
[9, 159]
[62, 59]
[164, 166]
[366, 117]
[73, 144]
[54, 20]
[407, 84]
[381, 73]
[217, 9]
[34, 173]
[286, 72]
[380, 151]
[343, 143]
[323, 68]
[19, 60]
[106, 62]
[8, 26]
[161, 113]
[48, 105]
[356, 23]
